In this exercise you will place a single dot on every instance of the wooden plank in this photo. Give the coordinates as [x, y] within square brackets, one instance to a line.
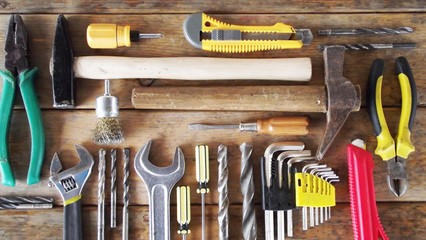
[400, 221]
[169, 130]
[356, 68]
[110, 6]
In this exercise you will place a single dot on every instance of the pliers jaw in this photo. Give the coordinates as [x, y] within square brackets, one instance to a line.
[397, 179]
[16, 46]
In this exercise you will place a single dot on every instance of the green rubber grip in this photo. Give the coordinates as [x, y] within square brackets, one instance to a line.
[29, 97]
[6, 109]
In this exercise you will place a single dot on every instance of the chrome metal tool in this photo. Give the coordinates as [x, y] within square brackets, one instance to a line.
[70, 184]
[101, 195]
[247, 189]
[159, 182]
[222, 188]
[126, 182]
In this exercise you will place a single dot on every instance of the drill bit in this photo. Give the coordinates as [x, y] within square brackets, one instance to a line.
[113, 188]
[126, 182]
[363, 31]
[25, 202]
[108, 129]
[202, 175]
[247, 189]
[101, 195]
[222, 187]
[183, 210]
[372, 46]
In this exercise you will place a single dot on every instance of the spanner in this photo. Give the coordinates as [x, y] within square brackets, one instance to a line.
[159, 182]
[70, 183]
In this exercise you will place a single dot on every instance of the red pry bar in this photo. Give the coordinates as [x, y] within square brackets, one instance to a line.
[365, 218]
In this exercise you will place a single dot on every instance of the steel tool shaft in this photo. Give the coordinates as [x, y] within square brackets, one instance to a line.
[363, 31]
[25, 202]
[222, 187]
[101, 195]
[126, 182]
[371, 46]
[113, 188]
[247, 189]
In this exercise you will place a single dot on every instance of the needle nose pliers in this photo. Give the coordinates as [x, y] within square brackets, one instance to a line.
[17, 73]
[395, 153]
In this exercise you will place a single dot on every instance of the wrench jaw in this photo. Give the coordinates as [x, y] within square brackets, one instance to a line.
[151, 174]
[70, 182]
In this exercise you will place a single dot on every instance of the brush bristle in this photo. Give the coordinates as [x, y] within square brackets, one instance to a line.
[108, 131]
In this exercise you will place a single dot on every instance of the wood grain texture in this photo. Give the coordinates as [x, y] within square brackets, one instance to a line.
[356, 67]
[223, 6]
[47, 224]
[169, 130]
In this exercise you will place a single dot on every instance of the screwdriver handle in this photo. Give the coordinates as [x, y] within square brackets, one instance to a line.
[183, 209]
[283, 126]
[202, 168]
[108, 35]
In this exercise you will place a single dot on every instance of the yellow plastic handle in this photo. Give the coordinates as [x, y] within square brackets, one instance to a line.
[209, 24]
[108, 36]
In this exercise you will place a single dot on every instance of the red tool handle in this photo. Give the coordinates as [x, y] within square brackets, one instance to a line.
[365, 218]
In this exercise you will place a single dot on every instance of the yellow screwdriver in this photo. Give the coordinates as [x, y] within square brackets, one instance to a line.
[276, 126]
[183, 210]
[109, 35]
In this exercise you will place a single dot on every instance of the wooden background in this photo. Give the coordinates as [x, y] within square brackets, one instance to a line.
[402, 218]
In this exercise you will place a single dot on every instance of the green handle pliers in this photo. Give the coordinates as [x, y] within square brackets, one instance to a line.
[18, 74]
[395, 152]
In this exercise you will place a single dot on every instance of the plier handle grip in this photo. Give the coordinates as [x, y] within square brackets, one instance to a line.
[395, 153]
[17, 74]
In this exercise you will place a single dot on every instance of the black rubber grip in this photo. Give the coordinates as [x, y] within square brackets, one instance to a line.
[376, 71]
[402, 66]
[72, 221]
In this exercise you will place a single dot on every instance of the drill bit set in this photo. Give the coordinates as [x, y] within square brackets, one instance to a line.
[292, 179]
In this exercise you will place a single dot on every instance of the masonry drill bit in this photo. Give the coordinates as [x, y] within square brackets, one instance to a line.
[222, 187]
[247, 189]
[363, 31]
[101, 195]
[371, 46]
[113, 188]
[183, 210]
[126, 182]
[6, 206]
[202, 175]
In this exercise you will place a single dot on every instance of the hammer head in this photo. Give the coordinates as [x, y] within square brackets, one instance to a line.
[153, 175]
[342, 96]
[61, 67]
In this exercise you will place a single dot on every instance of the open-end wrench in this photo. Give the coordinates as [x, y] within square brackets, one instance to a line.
[159, 182]
[70, 183]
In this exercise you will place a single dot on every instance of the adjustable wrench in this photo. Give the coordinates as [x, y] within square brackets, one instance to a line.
[70, 183]
[159, 182]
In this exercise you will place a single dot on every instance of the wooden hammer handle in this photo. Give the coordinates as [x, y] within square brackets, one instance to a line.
[193, 68]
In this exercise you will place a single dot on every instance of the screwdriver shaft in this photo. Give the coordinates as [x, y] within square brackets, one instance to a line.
[150, 35]
[203, 217]
[362, 31]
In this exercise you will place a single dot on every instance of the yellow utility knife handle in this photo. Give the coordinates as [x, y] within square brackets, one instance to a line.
[209, 24]
[409, 106]
[385, 143]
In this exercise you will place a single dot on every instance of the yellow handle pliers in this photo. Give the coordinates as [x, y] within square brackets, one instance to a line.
[395, 153]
